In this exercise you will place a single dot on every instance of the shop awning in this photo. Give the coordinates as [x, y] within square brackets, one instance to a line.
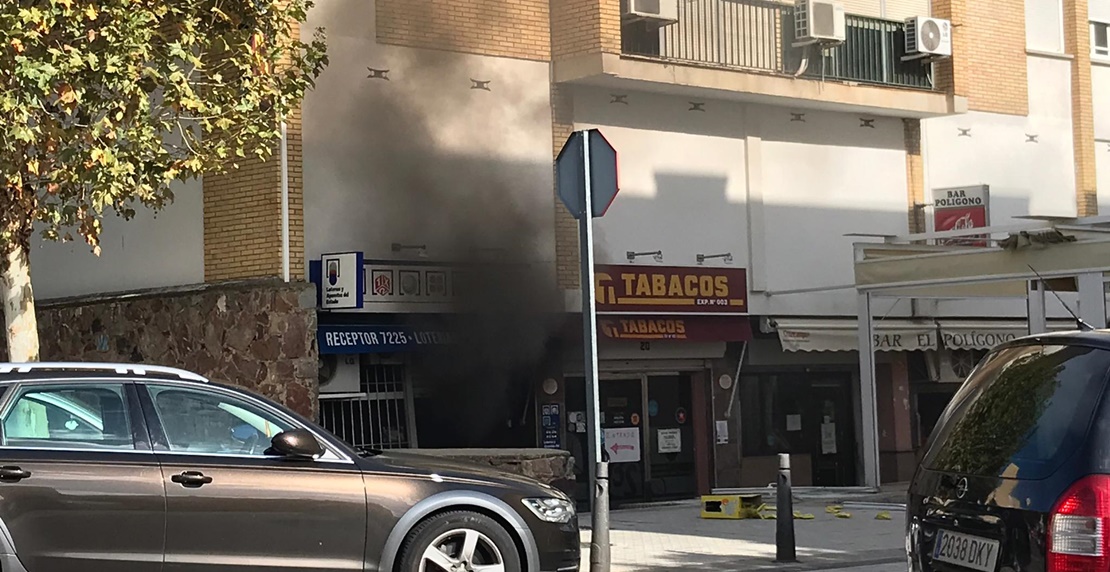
[375, 339]
[841, 335]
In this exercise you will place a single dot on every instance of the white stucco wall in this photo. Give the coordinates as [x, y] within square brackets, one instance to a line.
[824, 178]
[689, 179]
[1100, 90]
[1025, 178]
[392, 161]
[682, 177]
[1102, 164]
[146, 252]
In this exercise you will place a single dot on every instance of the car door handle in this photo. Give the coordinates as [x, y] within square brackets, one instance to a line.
[191, 479]
[13, 474]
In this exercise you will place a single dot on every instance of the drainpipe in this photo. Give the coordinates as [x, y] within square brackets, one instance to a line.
[284, 204]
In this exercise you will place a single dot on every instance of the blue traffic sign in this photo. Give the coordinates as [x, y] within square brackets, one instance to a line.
[570, 173]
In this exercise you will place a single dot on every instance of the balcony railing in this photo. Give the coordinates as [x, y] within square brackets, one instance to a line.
[759, 35]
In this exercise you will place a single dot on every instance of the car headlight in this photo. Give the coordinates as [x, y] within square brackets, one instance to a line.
[553, 510]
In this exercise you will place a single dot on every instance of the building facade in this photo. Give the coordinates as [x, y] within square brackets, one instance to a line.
[418, 196]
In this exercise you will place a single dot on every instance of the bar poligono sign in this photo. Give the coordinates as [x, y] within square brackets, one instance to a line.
[961, 208]
[671, 289]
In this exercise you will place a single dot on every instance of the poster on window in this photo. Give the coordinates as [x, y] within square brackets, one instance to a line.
[828, 438]
[670, 440]
[623, 444]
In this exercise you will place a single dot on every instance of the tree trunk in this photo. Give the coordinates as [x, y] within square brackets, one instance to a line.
[20, 324]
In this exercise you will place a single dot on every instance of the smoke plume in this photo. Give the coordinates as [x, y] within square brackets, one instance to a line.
[437, 179]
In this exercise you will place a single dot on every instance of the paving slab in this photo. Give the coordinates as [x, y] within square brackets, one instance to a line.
[675, 538]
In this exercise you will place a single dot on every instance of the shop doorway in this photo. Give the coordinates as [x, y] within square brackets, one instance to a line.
[648, 423]
[829, 409]
[802, 413]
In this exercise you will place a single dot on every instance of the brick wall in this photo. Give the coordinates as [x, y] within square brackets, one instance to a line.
[566, 228]
[1077, 42]
[915, 176]
[242, 216]
[989, 64]
[508, 28]
[585, 27]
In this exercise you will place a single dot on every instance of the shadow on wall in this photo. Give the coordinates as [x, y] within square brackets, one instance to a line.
[689, 214]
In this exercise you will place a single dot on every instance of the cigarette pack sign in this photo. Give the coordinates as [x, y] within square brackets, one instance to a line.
[962, 208]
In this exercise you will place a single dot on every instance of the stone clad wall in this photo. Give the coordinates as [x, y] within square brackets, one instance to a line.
[260, 335]
[555, 468]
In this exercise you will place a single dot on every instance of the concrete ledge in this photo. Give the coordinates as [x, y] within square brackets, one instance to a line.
[645, 74]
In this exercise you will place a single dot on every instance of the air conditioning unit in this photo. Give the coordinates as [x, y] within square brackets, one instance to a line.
[928, 37]
[658, 12]
[951, 366]
[340, 374]
[818, 21]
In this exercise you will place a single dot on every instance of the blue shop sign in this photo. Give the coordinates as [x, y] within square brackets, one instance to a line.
[373, 339]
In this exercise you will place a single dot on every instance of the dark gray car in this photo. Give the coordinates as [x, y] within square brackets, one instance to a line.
[123, 468]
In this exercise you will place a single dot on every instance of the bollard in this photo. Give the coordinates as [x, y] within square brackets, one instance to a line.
[784, 520]
[599, 535]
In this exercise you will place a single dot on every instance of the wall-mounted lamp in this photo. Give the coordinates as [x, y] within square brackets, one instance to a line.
[421, 249]
[727, 257]
[656, 254]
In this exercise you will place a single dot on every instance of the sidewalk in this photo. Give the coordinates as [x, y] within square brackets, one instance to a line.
[675, 538]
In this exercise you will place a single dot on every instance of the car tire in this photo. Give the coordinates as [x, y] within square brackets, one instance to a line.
[441, 541]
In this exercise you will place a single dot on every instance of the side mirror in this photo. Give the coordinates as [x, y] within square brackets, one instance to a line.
[297, 444]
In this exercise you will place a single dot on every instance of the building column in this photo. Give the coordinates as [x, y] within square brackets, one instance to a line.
[1035, 305]
[915, 176]
[869, 425]
[895, 420]
[242, 216]
[1077, 43]
[1092, 299]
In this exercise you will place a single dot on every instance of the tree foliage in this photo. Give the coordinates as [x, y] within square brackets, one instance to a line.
[104, 103]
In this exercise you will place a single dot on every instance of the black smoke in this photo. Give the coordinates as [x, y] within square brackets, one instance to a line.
[490, 216]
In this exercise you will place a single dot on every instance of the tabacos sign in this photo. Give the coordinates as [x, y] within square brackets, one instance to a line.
[644, 329]
[671, 289]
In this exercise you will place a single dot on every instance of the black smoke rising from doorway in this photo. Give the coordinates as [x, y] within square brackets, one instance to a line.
[490, 216]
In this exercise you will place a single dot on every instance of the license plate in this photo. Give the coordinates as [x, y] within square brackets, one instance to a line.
[967, 551]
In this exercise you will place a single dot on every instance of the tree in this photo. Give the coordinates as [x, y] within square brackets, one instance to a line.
[104, 103]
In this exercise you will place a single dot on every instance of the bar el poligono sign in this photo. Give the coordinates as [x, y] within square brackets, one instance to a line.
[671, 289]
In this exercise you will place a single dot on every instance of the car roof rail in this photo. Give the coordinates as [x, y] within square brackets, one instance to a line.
[120, 368]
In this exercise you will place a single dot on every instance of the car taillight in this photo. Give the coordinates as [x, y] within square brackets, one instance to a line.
[1078, 531]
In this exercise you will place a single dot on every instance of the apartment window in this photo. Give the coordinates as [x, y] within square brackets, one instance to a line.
[1100, 43]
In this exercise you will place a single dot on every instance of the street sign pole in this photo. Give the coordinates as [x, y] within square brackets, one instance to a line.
[599, 513]
[586, 182]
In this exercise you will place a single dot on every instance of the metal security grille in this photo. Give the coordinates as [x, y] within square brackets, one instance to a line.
[378, 417]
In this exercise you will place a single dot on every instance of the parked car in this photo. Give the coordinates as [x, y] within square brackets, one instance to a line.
[1016, 476]
[114, 468]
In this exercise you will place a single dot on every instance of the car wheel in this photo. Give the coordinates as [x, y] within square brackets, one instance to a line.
[460, 542]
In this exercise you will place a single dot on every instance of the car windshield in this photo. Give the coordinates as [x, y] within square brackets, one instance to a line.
[1021, 412]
